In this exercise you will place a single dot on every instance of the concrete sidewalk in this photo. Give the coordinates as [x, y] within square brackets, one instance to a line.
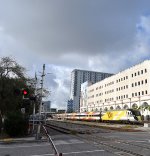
[22, 140]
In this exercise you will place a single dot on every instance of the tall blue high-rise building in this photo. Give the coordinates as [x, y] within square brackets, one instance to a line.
[70, 106]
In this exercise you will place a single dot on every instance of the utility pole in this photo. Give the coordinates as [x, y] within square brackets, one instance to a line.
[35, 92]
[40, 107]
[130, 103]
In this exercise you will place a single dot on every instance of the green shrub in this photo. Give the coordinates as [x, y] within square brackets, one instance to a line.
[15, 124]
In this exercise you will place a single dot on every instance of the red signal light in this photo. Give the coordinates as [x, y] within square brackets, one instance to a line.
[25, 92]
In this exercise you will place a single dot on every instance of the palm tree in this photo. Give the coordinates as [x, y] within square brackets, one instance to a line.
[144, 107]
[111, 108]
[135, 106]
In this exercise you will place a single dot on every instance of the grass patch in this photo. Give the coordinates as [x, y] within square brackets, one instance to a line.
[3, 135]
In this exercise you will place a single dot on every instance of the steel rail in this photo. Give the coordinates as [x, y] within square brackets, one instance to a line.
[98, 141]
[52, 143]
[58, 128]
[121, 141]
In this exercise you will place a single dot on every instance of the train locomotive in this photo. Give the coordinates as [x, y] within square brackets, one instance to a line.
[126, 115]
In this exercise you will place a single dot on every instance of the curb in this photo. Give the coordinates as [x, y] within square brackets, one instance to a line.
[11, 141]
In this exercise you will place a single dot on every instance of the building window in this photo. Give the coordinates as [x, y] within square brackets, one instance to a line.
[135, 84]
[135, 94]
[132, 85]
[141, 71]
[145, 80]
[132, 94]
[117, 81]
[135, 74]
[121, 79]
[126, 86]
[139, 93]
[124, 96]
[146, 92]
[145, 70]
[132, 75]
[142, 92]
[127, 96]
[119, 97]
[126, 77]
[139, 83]
[142, 81]
[121, 88]
[138, 73]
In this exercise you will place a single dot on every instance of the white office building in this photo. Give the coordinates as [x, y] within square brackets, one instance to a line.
[77, 78]
[127, 89]
[84, 96]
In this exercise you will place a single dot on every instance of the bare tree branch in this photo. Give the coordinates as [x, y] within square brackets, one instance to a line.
[10, 68]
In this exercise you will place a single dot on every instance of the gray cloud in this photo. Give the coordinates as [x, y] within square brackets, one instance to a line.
[102, 35]
[59, 27]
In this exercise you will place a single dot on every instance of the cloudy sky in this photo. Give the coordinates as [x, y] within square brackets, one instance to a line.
[99, 35]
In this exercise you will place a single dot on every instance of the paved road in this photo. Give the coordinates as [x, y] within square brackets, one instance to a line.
[67, 144]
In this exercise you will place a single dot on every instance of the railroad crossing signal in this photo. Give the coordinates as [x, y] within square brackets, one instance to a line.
[25, 92]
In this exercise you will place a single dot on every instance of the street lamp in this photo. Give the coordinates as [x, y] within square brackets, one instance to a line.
[115, 104]
[140, 104]
[130, 102]
[122, 104]
[139, 101]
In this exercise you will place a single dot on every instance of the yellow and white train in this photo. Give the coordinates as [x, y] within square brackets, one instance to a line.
[126, 115]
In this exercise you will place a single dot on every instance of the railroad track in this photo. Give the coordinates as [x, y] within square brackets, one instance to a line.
[120, 141]
[57, 128]
[106, 142]
[105, 126]
[109, 144]
[124, 142]
[69, 129]
[95, 122]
